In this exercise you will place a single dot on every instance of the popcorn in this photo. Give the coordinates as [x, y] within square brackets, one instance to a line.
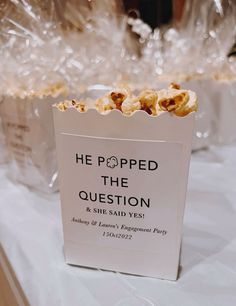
[191, 106]
[113, 100]
[62, 106]
[118, 98]
[104, 104]
[79, 105]
[53, 90]
[130, 105]
[174, 85]
[148, 100]
[174, 100]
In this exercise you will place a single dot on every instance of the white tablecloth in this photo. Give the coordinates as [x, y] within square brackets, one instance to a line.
[31, 236]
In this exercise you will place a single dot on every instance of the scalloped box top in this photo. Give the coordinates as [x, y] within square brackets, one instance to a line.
[140, 125]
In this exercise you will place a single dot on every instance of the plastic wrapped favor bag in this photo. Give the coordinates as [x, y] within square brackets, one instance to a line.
[28, 128]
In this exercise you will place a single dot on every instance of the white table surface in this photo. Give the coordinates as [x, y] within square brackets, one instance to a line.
[31, 236]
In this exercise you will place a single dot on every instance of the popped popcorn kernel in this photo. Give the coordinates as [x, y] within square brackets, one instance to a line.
[130, 105]
[148, 99]
[62, 106]
[174, 86]
[184, 111]
[191, 106]
[118, 96]
[80, 106]
[173, 100]
[118, 99]
[104, 104]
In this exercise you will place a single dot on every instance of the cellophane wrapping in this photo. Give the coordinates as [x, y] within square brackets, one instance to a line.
[3, 153]
[30, 141]
[51, 52]
[80, 43]
[195, 52]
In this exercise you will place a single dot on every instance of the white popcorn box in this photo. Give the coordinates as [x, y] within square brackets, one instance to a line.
[123, 184]
[223, 96]
[3, 155]
[204, 132]
[30, 142]
[206, 117]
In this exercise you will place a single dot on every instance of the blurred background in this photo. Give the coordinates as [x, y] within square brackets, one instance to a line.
[57, 49]
[52, 50]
